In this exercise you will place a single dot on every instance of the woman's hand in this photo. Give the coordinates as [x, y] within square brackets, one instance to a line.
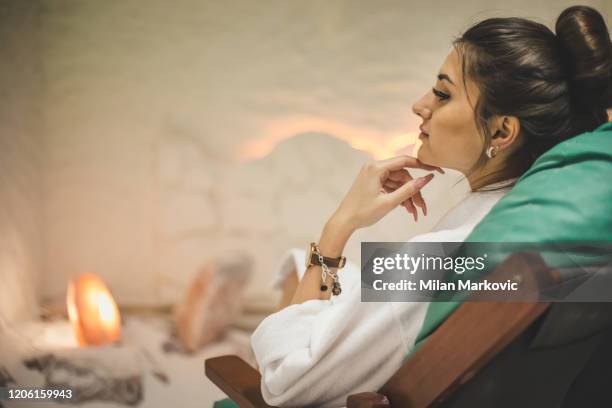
[379, 187]
[397, 179]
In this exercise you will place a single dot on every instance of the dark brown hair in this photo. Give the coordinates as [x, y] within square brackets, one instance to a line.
[558, 86]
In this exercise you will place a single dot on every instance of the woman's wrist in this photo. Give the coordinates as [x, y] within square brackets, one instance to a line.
[334, 237]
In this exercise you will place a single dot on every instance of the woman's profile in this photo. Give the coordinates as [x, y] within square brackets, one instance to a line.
[509, 90]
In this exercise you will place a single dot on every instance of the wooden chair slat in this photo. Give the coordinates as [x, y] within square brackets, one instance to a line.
[236, 378]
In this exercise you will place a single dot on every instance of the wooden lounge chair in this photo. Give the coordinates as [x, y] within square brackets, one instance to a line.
[500, 338]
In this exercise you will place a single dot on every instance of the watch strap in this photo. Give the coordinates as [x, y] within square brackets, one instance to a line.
[330, 262]
[338, 262]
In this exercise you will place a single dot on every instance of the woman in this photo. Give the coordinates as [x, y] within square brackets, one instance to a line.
[509, 90]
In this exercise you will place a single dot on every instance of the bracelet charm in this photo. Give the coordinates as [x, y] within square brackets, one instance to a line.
[336, 289]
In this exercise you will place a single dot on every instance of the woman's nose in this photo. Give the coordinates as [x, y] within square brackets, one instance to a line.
[420, 108]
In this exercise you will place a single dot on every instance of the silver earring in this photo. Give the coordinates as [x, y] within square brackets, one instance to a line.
[492, 151]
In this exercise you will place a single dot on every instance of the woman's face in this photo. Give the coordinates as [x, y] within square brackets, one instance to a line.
[450, 136]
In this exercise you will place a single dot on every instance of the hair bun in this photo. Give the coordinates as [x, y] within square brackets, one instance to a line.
[587, 54]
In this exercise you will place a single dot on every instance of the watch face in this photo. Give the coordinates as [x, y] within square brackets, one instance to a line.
[308, 259]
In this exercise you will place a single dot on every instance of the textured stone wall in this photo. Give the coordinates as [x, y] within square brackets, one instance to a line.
[173, 132]
[20, 160]
[163, 123]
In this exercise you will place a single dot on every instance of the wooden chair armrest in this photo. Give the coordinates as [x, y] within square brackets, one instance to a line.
[236, 378]
[367, 400]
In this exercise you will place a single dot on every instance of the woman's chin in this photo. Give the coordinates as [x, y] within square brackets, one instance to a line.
[424, 156]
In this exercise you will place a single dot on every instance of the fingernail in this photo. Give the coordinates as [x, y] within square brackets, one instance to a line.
[421, 181]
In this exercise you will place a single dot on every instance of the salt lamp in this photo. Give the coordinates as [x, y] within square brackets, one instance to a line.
[92, 311]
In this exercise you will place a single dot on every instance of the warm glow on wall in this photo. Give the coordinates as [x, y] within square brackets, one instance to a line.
[379, 146]
[92, 311]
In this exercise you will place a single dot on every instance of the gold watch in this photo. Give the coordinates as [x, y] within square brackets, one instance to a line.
[313, 259]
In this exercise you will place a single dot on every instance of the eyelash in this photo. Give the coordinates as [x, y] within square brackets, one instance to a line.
[441, 96]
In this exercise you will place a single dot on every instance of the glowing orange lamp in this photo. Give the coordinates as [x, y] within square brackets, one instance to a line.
[92, 311]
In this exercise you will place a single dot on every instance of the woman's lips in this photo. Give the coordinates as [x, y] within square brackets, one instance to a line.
[423, 134]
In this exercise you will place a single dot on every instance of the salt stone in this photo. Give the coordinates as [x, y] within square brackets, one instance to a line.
[213, 301]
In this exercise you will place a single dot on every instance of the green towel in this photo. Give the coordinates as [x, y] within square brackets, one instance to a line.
[225, 403]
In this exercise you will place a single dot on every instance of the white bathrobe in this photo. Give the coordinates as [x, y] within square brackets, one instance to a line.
[320, 351]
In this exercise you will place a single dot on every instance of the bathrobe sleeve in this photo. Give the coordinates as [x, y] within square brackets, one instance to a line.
[320, 351]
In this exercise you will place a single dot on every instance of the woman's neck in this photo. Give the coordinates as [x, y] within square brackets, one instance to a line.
[486, 179]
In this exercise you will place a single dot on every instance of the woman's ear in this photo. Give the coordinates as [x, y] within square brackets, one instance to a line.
[506, 132]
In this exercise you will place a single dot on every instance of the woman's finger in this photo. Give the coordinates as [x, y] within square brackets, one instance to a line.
[392, 184]
[412, 209]
[408, 204]
[400, 175]
[399, 162]
[387, 190]
[398, 178]
[418, 200]
[408, 190]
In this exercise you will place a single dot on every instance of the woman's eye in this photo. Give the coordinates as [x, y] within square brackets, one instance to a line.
[441, 95]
